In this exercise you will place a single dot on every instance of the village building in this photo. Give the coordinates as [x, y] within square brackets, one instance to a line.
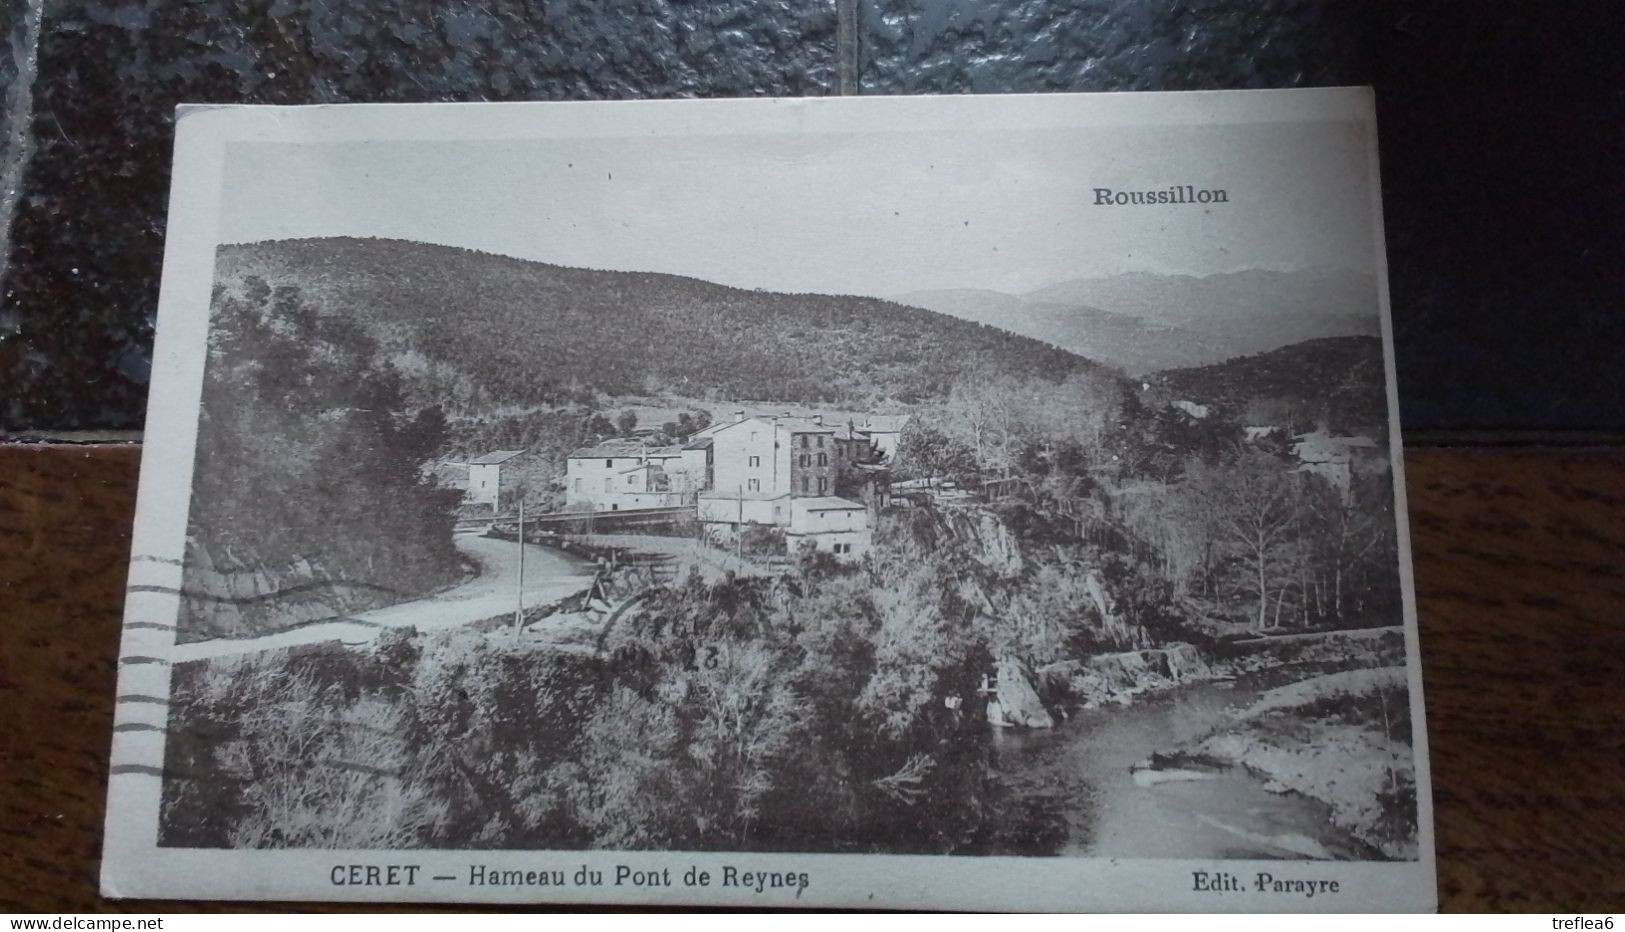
[859, 473]
[764, 469]
[885, 432]
[622, 475]
[1335, 459]
[833, 525]
[767, 456]
[486, 475]
[728, 513]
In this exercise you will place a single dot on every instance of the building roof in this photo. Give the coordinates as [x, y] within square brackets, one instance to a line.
[827, 503]
[494, 457]
[609, 449]
[795, 425]
[804, 425]
[705, 432]
[702, 443]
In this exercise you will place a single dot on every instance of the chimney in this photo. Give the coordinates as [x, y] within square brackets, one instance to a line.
[739, 415]
[818, 419]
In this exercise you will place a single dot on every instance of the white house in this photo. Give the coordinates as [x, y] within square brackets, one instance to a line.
[485, 477]
[766, 456]
[825, 523]
[623, 475]
[832, 525]
[718, 508]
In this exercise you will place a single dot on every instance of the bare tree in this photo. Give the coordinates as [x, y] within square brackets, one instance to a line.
[1254, 504]
[991, 416]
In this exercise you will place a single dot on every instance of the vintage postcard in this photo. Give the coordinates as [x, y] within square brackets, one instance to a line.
[963, 503]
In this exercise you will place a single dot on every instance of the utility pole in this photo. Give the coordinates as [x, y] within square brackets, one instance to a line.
[739, 530]
[519, 613]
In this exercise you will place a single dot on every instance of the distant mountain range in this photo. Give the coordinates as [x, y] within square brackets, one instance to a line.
[481, 329]
[1143, 322]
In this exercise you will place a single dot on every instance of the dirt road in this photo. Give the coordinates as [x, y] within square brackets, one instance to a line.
[549, 575]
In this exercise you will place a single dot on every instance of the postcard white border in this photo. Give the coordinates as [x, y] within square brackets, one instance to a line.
[135, 866]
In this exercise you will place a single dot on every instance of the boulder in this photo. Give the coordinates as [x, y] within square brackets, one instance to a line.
[1015, 703]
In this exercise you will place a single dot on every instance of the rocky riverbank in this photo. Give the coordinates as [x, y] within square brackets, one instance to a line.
[1117, 679]
[1321, 717]
[1341, 738]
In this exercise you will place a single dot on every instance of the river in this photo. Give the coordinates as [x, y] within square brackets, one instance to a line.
[1082, 771]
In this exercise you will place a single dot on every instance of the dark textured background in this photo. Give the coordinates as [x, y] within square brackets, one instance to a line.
[1525, 705]
[1502, 136]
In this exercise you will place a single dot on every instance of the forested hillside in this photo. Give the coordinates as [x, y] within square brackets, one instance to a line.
[1338, 379]
[308, 498]
[470, 328]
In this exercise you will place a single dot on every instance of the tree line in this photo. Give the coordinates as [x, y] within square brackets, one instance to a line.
[1235, 528]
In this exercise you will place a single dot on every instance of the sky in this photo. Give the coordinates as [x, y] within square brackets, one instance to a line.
[880, 214]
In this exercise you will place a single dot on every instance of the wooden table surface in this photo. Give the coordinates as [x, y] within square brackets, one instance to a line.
[1520, 569]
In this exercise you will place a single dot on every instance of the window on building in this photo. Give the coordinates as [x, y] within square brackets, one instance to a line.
[803, 441]
[803, 484]
[756, 461]
[755, 485]
[823, 459]
[578, 485]
[609, 464]
[820, 439]
[805, 459]
[823, 485]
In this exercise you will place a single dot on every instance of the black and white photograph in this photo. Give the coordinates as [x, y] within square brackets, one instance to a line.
[639, 502]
